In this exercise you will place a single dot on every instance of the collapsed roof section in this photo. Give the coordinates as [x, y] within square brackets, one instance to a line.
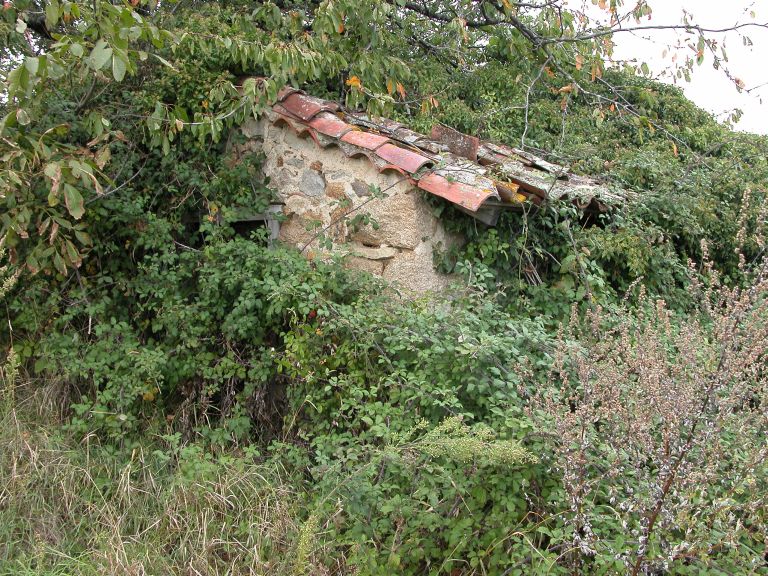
[480, 178]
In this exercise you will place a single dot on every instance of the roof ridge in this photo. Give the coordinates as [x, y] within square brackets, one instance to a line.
[480, 177]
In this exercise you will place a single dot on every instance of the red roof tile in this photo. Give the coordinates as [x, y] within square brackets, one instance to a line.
[307, 107]
[462, 194]
[364, 139]
[328, 124]
[470, 183]
[405, 159]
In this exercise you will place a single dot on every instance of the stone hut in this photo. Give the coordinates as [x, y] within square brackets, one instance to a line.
[334, 170]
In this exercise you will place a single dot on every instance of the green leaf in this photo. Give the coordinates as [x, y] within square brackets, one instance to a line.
[58, 262]
[165, 62]
[118, 67]
[32, 64]
[74, 201]
[52, 13]
[83, 238]
[100, 55]
[22, 117]
[76, 49]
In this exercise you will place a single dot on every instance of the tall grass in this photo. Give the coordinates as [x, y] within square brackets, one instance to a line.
[72, 506]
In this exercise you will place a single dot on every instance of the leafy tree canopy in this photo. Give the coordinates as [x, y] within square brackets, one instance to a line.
[227, 383]
[87, 83]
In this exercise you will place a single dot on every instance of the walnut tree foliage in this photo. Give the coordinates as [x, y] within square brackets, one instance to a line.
[331, 426]
[78, 80]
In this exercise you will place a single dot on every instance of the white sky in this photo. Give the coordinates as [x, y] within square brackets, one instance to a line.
[709, 88]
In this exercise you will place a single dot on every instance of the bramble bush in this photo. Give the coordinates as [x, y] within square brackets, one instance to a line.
[180, 397]
[403, 435]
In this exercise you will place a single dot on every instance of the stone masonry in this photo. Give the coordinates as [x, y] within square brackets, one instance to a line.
[323, 188]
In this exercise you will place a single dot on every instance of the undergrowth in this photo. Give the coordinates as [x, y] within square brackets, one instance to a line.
[408, 436]
[178, 399]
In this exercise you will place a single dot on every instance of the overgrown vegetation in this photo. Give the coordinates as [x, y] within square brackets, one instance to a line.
[178, 398]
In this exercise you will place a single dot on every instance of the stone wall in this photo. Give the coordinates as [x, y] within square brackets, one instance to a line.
[322, 186]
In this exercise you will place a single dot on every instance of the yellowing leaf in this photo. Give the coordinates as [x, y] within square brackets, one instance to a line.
[401, 91]
[579, 61]
[102, 157]
[74, 201]
[354, 82]
[53, 171]
[54, 232]
[58, 262]
[597, 71]
[73, 255]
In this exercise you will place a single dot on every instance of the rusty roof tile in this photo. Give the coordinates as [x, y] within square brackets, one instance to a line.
[486, 157]
[508, 154]
[365, 140]
[278, 116]
[409, 136]
[282, 115]
[539, 163]
[286, 91]
[409, 161]
[460, 144]
[390, 125]
[280, 110]
[330, 125]
[382, 165]
[307, 107]
[509, 192]
[469, 197]
[497, 148]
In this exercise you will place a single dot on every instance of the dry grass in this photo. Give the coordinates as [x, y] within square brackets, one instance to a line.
[663, 418]
[68, 507]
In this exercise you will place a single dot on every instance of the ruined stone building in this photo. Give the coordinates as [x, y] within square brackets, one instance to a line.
[327, 165]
